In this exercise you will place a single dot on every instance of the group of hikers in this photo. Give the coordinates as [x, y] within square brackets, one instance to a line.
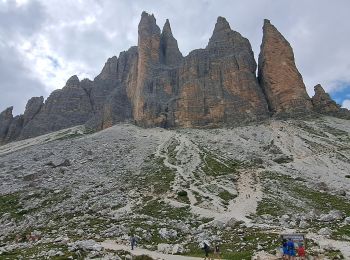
[290, 251]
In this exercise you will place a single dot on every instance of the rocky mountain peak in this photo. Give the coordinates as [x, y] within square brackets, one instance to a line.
[170, 52]
[7, 113]
[222, 32]
[32, 108]
[110, 69]
[148, 24]
[322, 102]
[278, 75]
[72, 82]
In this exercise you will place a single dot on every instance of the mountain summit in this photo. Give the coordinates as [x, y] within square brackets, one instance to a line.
[152, 84]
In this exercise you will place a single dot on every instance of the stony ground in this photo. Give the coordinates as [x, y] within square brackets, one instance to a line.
[74, 191]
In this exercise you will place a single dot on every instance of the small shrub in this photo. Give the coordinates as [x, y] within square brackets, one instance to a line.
[182, 193]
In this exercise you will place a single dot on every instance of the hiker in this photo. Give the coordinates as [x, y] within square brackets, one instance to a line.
[301, 251]
[284, 250]
[133, 242]
[206, 249]
[291, 249]
[217, 252]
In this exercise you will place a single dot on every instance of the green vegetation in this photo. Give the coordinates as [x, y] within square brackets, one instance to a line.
[159, 209]
[157, 175]
[68, 135]
[10, 203]
[284, 195]
[215, 166]
[226, 196]
[240, 243]
[172, 151]
[183, 197]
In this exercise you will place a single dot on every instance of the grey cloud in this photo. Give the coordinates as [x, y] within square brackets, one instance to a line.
[316, 29]
[17, 84]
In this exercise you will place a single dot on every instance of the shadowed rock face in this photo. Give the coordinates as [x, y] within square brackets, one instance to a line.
[152, 84]
[322, 102]
[6, 118]
[278, 76]
[218, 84]
[66, 107]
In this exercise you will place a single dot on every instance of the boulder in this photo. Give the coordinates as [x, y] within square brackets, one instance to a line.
[167, 234]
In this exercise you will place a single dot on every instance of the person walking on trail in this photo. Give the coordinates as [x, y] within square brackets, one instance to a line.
[285, 252]
[301, 251]
[291, 249]
[206, 249]
[217, 252]
[133, 242]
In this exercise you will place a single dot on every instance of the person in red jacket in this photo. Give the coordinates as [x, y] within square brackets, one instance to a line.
[301, 252]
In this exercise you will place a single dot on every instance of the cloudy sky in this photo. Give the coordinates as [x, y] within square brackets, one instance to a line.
[44, 42]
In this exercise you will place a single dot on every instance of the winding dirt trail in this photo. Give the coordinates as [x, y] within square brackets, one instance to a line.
[112, 245]
[186, 161]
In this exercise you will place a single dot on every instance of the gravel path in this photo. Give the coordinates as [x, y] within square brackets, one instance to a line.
[111, 245]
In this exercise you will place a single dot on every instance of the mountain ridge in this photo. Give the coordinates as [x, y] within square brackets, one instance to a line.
[153, 84]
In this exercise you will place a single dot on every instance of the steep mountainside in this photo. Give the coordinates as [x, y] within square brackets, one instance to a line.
[152, 84]
[239, 187]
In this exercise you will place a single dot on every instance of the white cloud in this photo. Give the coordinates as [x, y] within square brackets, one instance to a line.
[346, 103]
[52, 40]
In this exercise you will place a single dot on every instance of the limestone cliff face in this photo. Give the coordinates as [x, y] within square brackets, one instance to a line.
[278, 76]
[218, 84]
[170, 53]
[152, 84]
[323, 104]
[66, 107]
[6, 118]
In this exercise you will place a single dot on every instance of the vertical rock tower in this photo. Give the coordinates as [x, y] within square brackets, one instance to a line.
[278, 75]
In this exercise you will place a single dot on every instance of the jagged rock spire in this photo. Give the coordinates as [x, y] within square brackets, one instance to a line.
[322, 102]
[6, 118]
[170, 52]
[278, 75]
[72, 82]
[32, 108]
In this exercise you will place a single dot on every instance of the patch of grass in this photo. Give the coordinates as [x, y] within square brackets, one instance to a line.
[310, 129]
[284, 195]
[341, 232]
[162, 210]
[158, 176]
[68, 135]
[214, 166]
[10, 203]
[226, 196]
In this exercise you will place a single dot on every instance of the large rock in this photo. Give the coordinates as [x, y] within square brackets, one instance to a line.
[6, 118]
[32, 108]
[324, 104]
[278, 75]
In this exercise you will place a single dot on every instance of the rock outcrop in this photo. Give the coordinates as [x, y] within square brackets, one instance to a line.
[278, 75]
[6, 118]
[152, 84]
[65, 107]
[323, 104]
[218, 83]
